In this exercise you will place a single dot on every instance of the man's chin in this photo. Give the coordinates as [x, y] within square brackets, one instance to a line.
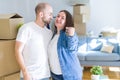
[48, 22]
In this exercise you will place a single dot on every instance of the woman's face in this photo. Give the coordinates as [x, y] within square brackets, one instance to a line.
[60, 20]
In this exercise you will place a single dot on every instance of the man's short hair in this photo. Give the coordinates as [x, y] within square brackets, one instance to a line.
[40, 7]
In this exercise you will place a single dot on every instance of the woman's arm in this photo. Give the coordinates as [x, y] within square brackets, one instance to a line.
[72, 42]
[71, 38]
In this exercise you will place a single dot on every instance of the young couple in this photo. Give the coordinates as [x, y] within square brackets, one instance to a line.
[37, 47]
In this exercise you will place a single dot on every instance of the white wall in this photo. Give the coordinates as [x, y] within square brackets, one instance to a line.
[26, 7]
[7, 6]
[103, 12]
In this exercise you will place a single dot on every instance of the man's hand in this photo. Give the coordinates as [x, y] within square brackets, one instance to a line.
[70, 31]
[26, 76]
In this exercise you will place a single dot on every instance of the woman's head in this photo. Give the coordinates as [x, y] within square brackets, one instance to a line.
[64, 19]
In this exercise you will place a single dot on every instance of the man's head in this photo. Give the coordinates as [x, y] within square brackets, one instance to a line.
[44, 11]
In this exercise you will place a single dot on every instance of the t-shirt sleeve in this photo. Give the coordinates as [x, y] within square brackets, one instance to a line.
[23, 34]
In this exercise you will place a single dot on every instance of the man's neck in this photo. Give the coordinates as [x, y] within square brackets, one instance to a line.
[40, 23]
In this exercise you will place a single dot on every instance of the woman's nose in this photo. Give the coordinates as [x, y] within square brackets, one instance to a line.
[59, 18]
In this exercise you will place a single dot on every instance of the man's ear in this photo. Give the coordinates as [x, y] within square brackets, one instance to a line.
[41, 14]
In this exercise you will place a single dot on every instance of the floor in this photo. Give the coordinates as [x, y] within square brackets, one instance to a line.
[112, 72]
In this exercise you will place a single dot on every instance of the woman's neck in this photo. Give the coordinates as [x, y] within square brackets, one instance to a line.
[58, 31]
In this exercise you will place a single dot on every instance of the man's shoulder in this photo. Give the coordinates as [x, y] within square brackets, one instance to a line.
[29, 24]
[26, 25]
[49, 30]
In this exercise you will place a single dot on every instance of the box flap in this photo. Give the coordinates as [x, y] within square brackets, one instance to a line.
[8, 16]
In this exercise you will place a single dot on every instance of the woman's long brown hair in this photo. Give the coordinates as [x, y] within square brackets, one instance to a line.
[69, 19]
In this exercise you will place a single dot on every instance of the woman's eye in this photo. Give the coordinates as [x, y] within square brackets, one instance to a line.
[63, 18]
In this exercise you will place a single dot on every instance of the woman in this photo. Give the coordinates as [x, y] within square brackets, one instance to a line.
[62, 51]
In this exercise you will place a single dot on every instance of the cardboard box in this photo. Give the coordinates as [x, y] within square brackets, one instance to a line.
[80, 29]
[81, 9]
[13, 76]
[8, 25]
[75, 2]
[1, 78]
[81, 18]
[8, 63]
[109, 34]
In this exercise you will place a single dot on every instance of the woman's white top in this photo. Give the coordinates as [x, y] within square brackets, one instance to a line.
[53, 56]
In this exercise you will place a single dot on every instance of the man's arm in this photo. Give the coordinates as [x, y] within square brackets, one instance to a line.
[18, 53]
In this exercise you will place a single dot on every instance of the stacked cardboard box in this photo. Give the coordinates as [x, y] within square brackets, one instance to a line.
[8, 25]
[81, 14]
[14, 76]
[8, 32]
[74, 2]
[109, 34]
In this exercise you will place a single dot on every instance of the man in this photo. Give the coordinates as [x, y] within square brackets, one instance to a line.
[31, 45]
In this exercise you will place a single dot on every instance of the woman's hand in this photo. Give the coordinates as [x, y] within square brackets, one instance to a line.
[70, 31]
